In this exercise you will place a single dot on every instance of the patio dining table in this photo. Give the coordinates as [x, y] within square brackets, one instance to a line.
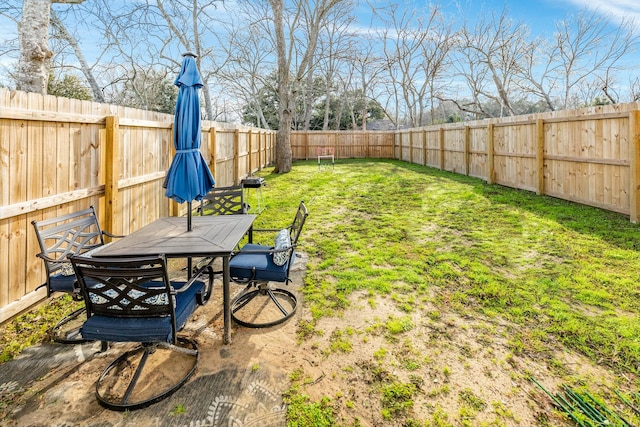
[211, 236]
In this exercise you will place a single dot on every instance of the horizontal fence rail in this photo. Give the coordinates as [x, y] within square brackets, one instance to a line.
[59, 155]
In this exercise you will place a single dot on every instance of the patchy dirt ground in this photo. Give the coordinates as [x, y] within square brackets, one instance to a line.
[461, 370]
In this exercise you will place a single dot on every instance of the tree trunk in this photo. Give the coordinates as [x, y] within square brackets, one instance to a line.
[33, 34]
[327, 109]
[308, 102]
[283, 143]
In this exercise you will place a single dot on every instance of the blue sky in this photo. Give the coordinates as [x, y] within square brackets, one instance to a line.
[539, 15]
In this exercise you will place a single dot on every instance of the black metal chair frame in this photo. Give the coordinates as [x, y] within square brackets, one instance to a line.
[224, 201]
[74, 233]
[137, 289]
[255, 287]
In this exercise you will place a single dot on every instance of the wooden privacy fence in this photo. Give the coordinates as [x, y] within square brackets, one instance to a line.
[59, 155]
[346, 144]
[589, 156]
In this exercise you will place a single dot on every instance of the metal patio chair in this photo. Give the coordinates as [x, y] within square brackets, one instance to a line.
[258, 266]
[132, 300]
[224, 201]
[75, 233]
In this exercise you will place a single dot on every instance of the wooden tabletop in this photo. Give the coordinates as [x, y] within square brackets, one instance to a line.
[215, 235]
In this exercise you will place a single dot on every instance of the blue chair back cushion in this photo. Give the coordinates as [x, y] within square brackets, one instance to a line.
[141, 329]
[242, 264]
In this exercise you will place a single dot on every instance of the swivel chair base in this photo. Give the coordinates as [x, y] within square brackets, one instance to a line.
[263, 307]
[126, 385]
[67, 330]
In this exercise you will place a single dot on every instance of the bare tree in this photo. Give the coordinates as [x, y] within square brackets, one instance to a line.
[634, 89]
[540, 72]
[33, 35]
[436, 51]
[87, 71]
[368, 67]
[491, 54]
[417, 45]
[587, 45]
[150, 36]
[250, 62]
[586, 52]
[315, 13]
[403, 37]
[334, 36]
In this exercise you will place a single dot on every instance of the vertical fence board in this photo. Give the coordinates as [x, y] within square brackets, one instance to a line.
[634, 165]
[35, 190]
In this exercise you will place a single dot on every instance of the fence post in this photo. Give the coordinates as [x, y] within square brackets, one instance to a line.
[634, 165]
[111, 174]
[467, 143]
[260, 133]
[236, 156]
[540, 156]
[212, 150]
[424, 147]
[395, 137]
[306, 145]
[441, 148]
[250, 149]
[366, 141]
[490, 167]
[411, 146]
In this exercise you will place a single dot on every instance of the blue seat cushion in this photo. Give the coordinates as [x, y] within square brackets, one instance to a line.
[141, 329]
[61, 283]
[242, 264]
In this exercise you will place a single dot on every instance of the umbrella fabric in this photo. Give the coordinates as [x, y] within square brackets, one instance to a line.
[189, 177]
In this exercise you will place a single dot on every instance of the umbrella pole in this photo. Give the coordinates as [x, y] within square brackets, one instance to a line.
[189, 229]
[189, 216]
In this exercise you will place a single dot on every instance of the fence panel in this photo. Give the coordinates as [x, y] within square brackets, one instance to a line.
[455, 158]
[55, 157]
[515, 156]
[589, 162]
[347, 144]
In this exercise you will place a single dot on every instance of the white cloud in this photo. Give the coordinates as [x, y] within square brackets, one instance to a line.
[619, 9]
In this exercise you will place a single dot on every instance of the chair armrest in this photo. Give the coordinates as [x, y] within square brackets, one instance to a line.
[114, 236]
[49, 259]
[263, 230]
[268, 229]
[202, 297]
[271, 250]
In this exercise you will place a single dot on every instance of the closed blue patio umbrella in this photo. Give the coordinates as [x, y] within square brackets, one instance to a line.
[189, 177]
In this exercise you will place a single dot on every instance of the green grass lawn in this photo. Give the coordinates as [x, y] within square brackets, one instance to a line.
[566, 275]
[563, 271]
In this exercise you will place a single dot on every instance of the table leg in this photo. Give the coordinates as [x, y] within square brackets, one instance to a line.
[226, 299]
